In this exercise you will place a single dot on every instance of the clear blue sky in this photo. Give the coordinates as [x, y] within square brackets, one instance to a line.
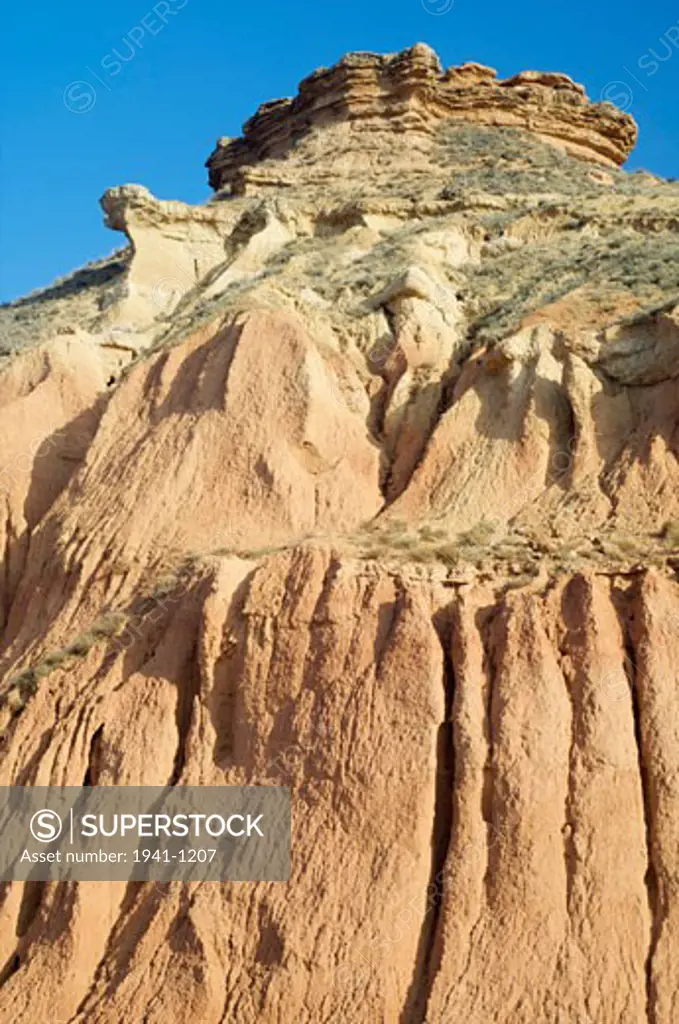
[203, 70]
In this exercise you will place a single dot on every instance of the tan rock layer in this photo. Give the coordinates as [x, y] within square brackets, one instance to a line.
[410, 93]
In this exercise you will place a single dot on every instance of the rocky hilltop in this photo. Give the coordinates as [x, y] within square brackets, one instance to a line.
[362, 478]
[409, 95]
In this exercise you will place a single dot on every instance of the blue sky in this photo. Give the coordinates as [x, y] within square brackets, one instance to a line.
[75, 118]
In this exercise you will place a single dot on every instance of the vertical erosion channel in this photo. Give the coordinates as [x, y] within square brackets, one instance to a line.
[627, 604]
[415, 1008]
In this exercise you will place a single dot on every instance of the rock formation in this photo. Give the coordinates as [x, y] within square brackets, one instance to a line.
[362, 478]
[408, 95]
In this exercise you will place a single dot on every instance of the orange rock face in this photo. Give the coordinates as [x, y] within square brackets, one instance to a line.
[377, 501]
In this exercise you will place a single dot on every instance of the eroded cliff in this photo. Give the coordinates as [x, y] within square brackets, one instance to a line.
[362, 479]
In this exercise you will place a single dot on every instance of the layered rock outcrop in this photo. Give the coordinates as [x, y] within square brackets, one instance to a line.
[365, 485]
[408, 95]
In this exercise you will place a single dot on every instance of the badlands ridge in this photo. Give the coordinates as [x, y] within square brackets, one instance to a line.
[362, 478]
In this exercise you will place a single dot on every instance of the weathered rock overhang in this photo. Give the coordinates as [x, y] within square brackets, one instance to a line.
[411, 94]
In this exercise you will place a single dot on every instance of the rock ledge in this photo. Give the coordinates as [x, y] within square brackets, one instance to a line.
[410, 93]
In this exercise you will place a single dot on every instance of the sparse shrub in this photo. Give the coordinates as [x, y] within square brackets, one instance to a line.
[402, 543]
[82, 645]
[260, 552]
[14, 701]
[27, 682]
[41, 670]
[423, 555]
[627, 545]
[432, 534]
[671, 533]
[449, 554]
[163, 588]
[517, 582]
[568, 552]
[108, 625]
[480, 534]
[55, 659]
[392, 526]
[372, 554]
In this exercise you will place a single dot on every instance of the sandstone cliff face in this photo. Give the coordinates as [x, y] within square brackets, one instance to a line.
[364, 484]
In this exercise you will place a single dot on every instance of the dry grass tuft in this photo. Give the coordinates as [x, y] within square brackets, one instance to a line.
[671, 533]
[25, 685]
